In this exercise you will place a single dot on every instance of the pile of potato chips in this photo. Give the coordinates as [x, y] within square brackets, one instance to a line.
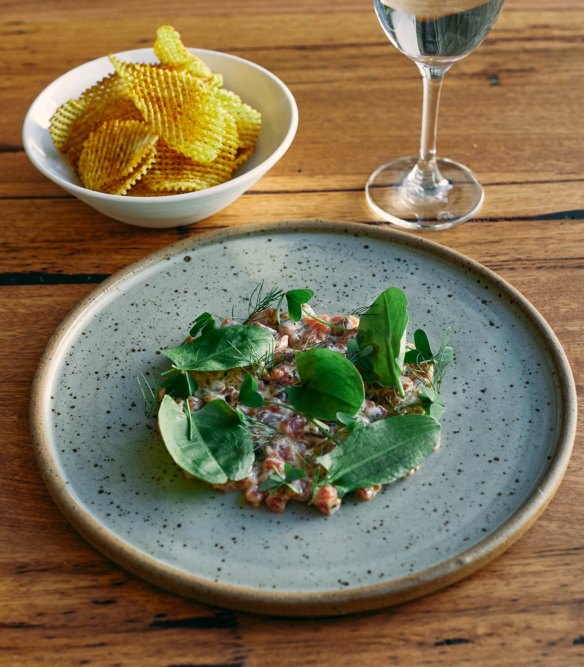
[152, 130]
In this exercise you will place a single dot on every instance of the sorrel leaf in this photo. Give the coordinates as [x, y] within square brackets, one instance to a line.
[382, 452]
[383, 327]
[329, 383]
[224, 348]
[211, 444]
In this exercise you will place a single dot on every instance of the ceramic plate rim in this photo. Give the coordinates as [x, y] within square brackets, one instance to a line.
[364, 598]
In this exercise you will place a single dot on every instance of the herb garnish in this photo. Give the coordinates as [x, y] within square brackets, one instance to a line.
[277, 480]
[295, 299]
[327, 394]
[204, 323]
[211, 444]
[329, 383]
[382, 452]
[220, 349]
[249, 394]
[383, 328]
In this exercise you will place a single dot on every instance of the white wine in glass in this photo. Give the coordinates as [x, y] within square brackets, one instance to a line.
[427, 192]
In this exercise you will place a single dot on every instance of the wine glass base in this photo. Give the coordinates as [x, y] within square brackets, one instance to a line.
[457, 198]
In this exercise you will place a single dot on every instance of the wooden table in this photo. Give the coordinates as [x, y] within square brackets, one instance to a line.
[512, 111]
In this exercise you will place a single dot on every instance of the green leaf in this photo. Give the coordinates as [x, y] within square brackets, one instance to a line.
[349, 421]
[353, 347]
[300, 295]
[325, 460]
[149, 395]
[356, 354]
[422, 343]
[444, 357]
[277, 480]
[382, 452]
[292, 474]
[249, 394]
[223, 348]
[296, 298]
[329, 383]
[422, 351]
[383, 327]
[211, 444]
[272, 482]
[179, 385]
[431, 402]
[203, 324]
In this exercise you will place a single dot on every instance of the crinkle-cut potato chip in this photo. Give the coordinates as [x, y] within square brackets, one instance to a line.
[75, 120]
[116, 155]
[62, 121]
[123, 186]
[249, 121]
[94, 118]
[243, 155]
[172, 52]
[104, 91]
[174, 172]
[159, 129]
[142, 189]
[181, 108]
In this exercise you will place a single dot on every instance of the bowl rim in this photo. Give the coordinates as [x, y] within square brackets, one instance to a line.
[76, 189]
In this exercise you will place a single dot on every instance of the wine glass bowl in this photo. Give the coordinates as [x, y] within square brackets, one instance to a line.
[427, 192]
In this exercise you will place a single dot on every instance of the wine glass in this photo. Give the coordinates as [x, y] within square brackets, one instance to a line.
[427, 192]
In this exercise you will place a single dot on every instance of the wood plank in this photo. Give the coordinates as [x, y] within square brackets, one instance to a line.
[28, 10]
[510, 111]
[103, 245]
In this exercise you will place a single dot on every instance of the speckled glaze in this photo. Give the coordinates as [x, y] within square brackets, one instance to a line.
[507, 430]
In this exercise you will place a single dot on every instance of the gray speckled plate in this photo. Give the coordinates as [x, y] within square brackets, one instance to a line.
[507, 431]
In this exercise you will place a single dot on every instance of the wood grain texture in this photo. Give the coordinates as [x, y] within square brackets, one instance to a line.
[512, 111]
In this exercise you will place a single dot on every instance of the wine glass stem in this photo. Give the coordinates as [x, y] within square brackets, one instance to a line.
[425, 178]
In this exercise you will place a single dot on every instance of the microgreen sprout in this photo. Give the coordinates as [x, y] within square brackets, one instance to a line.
[249, 394]
[258, 301]
[203, 324]
[422, 353]
[286, 479]
[149, 395]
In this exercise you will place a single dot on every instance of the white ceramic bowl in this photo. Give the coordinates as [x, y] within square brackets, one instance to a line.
[254, 84]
